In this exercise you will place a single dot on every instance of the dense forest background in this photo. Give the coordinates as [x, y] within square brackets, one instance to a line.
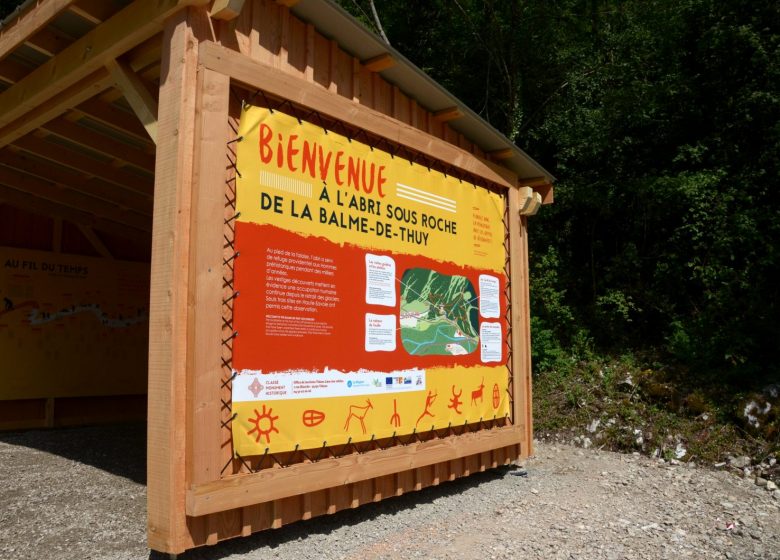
[661, 121]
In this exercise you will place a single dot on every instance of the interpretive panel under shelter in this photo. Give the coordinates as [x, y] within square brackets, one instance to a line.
[371, 292]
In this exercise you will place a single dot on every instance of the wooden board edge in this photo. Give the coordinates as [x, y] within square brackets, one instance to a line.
[272, 484]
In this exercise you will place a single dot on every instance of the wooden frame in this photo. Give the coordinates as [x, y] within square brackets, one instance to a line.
[214, 507]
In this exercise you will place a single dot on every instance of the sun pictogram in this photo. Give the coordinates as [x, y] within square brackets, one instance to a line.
[264, 425]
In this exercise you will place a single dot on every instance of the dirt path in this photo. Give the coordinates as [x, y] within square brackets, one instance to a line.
[79, 494]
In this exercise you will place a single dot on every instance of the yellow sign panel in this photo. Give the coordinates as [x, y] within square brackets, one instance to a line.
[71, 326]
[371, 292]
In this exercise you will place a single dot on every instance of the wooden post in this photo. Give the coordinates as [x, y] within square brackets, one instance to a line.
[521, 318]
[168, 320]
[205, 305]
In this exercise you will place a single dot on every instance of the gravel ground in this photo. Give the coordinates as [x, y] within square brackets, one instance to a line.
[64, 497]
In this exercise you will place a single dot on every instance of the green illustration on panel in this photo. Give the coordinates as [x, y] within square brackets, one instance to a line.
[439, 313]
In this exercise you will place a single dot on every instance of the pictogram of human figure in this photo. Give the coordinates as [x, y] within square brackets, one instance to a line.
[429, 400]
[395, 419]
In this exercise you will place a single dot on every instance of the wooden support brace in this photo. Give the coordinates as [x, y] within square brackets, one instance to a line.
[379, 63]
[137, 94]
[448, 114]
[500, 155]
[226, 10]
[96, 242]
[132, 25]
[530, 201]
[542, 185]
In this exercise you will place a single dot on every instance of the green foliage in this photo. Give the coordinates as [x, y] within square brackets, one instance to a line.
[661, 120]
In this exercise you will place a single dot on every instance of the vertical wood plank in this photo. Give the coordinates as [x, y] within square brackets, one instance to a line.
[308, 71]
[321, 54]
[205, 305]
[319, 503]
[356, 93]
[241, 29]
[333, 60]
[266, 32]
[296, 45]
[521, 340]
[250, 520]
[282, 60]
[56, 242]
[168, 319]
[366, 88]
[526, 306]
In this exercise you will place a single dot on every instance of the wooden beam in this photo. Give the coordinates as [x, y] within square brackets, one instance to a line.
[69, 97]
[448, 114]
[261, 76]
[113, 117]
[170, 291]
[379, 63]
[43, 207]
[96, 242]
[132, 25]
[273, 484]
[93, 11]
[77, 181]
[288, 3]
[14, 33]
[48, 42]
[547, 192]
[40, 188]
[542, 185]
[137, 94]
[146, 54]
[69, 157]
[226, 10]
[100, 143]
[532, 181]
[11, 71]
[502, 154]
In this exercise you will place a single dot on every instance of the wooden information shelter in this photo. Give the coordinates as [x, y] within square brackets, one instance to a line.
[118, 133]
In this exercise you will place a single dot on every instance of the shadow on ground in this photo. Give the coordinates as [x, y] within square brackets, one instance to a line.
[119, 449]
[265, 542]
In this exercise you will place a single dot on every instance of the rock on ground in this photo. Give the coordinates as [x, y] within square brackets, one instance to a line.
[80, 494]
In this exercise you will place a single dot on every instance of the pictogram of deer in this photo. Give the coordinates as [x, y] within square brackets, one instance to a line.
[353, 414]
[478, 393]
